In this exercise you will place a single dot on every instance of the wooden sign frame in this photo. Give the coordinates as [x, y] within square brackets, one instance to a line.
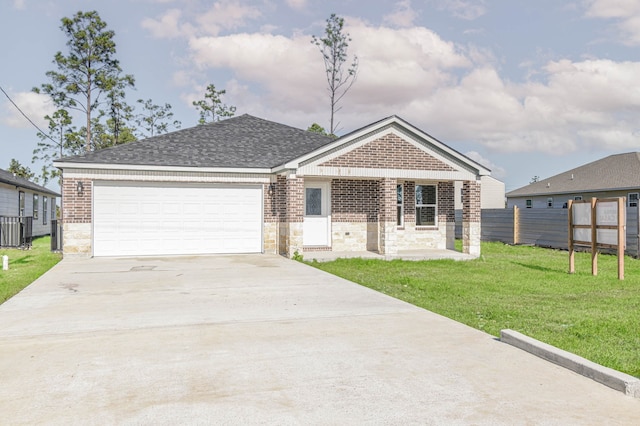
[590, 226]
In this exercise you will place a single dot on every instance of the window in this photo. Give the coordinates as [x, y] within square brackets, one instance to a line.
[550, 202]
[35, 206]
[529, 203]
[313, 204]
[54, 216]
[426, 205]
[400, 202]
[632, 199]
[577, 198]
[44, 210]
[20, 203]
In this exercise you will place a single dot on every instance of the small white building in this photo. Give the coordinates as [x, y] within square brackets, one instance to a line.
[492, 193]
[22, 198]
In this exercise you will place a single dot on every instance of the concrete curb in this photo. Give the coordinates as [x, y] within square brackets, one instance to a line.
[622, 382]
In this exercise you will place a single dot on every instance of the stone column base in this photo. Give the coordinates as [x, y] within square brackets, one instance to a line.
[471, 238]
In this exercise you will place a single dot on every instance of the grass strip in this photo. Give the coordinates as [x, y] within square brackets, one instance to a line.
[25, 266]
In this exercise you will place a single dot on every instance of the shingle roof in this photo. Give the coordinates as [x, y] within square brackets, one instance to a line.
[620, 171]
[10, 179]
[238, 142]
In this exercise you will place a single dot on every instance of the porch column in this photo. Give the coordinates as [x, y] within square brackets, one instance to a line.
[471, 217]
[387, 220]
[447, 213]
[295, 214]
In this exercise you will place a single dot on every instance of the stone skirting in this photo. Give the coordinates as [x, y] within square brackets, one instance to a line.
[77, 239]
[354, 236]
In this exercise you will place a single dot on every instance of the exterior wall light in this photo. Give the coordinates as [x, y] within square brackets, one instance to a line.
[80, 188]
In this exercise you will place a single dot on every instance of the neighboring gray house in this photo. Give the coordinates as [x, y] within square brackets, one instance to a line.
[248, 185]
[613, 176]
[22, 198]
[491, 190]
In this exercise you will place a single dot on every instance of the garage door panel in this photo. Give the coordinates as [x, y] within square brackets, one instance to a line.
[149, 219]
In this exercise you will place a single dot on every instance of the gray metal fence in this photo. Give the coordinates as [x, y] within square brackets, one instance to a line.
[16, 231]
[56, 235]
[541, 227]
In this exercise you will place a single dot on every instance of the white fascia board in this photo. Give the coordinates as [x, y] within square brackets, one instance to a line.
[294, 164]
[63, 165]
[482, 171]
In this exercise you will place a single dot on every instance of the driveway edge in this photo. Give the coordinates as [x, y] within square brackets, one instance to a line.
[614, 379]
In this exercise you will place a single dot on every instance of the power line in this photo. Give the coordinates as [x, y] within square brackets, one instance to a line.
[25, 116]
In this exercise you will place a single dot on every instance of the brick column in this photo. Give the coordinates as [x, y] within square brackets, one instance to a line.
[447, 213]
[471, 217]
[76, 217]
[387, 221]
[295, 214]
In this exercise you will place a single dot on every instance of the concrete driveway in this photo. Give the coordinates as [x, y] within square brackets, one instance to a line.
[259, 339]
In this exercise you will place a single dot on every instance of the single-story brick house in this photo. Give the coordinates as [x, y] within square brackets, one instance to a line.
[250, 185]
[21, 198]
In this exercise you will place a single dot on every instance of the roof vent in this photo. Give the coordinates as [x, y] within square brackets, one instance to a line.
[548, 184]
[571, 176]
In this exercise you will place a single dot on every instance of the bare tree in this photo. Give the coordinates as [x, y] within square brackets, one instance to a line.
[333, 46]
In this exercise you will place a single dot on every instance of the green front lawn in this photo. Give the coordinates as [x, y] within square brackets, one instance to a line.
[25, 266]
[526, 289]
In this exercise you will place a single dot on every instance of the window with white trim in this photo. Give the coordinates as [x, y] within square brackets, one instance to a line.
[529, 203]
[426, 205]
[632, 199]
[21, 203]
[35, 206]
[400, 205]
[44, 210]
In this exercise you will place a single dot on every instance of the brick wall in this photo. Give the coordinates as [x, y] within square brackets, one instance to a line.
[446, 202]
[409, 199]
[471, 201]
[295, 199]
[354, 200]
[388, 152]
[388, 200]
[76, 208]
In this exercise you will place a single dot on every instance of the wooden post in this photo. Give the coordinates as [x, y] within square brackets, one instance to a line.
[621, 236]
[516, 224]
[594, 236]
[572, 252]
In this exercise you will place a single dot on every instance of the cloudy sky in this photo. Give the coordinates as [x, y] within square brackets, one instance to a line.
[528, 88]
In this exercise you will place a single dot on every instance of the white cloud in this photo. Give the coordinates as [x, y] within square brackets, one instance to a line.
[626, 14]
[167, 25]
[226, 14]
[402, 16]
[189, 22]
[297, 4]
[19, 4]
[453, 92]
[463, 9]
[496, 171]
[34, 105]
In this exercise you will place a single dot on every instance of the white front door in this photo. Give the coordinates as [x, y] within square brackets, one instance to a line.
[317, 214]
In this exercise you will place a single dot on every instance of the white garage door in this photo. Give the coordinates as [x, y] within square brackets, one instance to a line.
[135, 219]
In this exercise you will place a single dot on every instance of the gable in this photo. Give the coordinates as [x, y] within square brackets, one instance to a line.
[388, 152]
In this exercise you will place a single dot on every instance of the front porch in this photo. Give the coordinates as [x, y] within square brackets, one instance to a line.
[415, 255]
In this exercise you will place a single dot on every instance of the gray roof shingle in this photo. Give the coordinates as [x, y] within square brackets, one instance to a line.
[238, 142]
[10, 179]
[620, 171]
